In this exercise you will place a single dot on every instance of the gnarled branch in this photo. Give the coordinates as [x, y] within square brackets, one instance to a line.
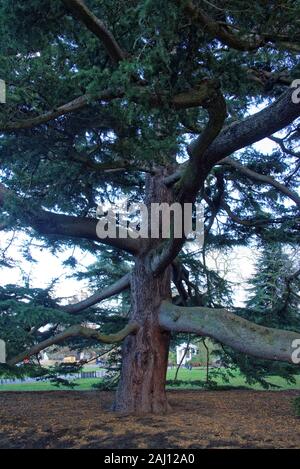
[75, 331]
[253, 221]
[194, 173]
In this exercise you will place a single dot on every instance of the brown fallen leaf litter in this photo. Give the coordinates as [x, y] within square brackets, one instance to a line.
[199, 419]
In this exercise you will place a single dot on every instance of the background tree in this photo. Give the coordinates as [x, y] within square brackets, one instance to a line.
[273, 300]
[114, 99]
[274, 288]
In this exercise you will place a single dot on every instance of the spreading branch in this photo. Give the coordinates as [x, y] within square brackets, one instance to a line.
[261, 178]
[288, 151]
[192, 176]
[110, 166]
[241, 134]
[55, 224]
[194, 97]
[97, 27]
[119, 286]
[262, 124]
[229, 35]
[230, 329]
[75, 331]
[253, 221]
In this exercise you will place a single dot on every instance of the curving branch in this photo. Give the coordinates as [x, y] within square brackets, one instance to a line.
[75, 331]
[243, 133]
[269, 79]
[230, 329]
[119, 286]
[261, 178]
[55, 224]
[228, 34]
[97, 27]
[72, 106]
[109, 167]
[188, 99]
[253, 221]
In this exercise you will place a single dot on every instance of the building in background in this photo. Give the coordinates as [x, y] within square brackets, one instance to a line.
[185, 352]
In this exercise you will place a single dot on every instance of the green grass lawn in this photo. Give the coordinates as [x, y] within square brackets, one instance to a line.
[82, 385]
[189, 377]
[236, 381]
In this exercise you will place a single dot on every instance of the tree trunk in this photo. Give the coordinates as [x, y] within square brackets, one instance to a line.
[145, 355]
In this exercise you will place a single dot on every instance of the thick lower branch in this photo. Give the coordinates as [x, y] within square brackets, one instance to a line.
[55, 224]
[230, 329]
[76, 331]
[185, 100]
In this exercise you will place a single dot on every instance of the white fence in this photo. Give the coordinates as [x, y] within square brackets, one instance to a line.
[81, 375]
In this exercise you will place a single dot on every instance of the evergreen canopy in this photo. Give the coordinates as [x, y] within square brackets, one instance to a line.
[105, 97]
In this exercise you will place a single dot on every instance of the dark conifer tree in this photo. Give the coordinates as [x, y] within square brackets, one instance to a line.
[157, 104]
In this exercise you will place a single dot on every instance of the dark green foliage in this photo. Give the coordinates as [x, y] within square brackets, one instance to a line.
[274, 290]
[273, 302]
[48, 58]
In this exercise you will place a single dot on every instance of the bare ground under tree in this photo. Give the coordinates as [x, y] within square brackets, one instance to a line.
[199, 419]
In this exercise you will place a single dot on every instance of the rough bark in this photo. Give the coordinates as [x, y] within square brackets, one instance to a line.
[145, 355]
